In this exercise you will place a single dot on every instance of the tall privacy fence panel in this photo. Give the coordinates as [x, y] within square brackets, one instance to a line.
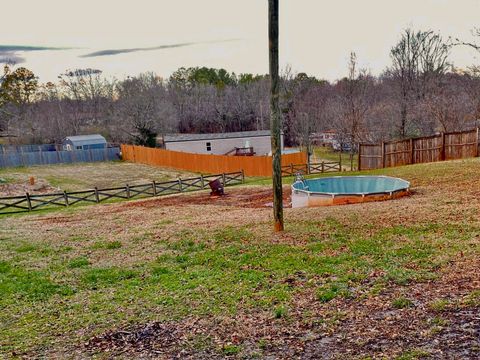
[30, 202]
[14, 158]
[29, 148]
[251, 165]
[444, 146]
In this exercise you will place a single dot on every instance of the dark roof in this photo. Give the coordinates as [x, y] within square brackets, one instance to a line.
[86, 139]
[230, 135]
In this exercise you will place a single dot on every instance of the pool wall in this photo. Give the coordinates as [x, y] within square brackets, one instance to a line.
[304, 198]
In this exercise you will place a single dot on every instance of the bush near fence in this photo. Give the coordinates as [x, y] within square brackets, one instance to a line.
[13, 158]
[251, 165]
[445, 146]
[29, 202]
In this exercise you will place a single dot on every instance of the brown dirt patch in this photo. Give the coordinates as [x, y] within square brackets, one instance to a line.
[40, 187]
[244, 197]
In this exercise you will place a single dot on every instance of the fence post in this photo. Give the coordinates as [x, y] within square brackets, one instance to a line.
[180, 187]
[359, 161]
[476, 149]
[412, 156]
[308, 161]
[65, 197]
[29, 202]
[442, 149]
[127, 189]
[323, 167]
[97, 199]
[243, 175]
[291, 169]
[202, 182]
[154, 188]
[383, 154]
[224, 180]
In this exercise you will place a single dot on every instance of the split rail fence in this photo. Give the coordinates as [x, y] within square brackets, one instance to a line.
[445, 146]
[30, 202]
[314, 168]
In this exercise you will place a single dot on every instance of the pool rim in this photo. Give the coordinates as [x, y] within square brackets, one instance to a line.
[363, 194]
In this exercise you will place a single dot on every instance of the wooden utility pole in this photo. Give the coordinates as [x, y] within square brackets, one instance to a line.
[275, 118]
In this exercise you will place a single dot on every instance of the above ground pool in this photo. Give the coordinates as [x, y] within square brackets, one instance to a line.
[339, 190]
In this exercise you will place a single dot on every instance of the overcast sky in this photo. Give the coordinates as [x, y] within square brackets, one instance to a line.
[124, 38]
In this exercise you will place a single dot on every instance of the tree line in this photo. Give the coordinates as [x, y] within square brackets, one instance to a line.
[420, 93]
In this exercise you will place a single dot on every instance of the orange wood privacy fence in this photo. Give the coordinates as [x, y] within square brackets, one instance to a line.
[445, 146]
[251, 165]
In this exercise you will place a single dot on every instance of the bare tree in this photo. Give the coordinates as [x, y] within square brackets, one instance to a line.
[450, 105]
[143, 109]
[306, 108]
[89, 93]
[353, 101]
[417, 60]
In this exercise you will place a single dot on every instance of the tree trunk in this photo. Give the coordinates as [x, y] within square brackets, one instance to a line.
[275, 119]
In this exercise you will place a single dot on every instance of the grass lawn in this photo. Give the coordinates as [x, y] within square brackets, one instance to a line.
[81, 176]
[326, 153]
[396, 279]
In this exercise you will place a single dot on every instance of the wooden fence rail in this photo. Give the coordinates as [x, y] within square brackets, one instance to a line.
[30, 202]
[445, 146]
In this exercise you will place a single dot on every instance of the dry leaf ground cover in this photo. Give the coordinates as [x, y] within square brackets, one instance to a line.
[188, 279]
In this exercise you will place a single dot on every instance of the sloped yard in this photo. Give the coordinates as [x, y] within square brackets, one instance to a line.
[81, 176]
[191, 278]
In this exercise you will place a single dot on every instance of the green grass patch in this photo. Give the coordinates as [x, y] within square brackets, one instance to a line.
[439, 305]
[230, 350]
[280, 312]
[20, 284]
[107, 245]
[472, 299]
[109, 277]
[78, 262]
[414, 354]
[402, 303]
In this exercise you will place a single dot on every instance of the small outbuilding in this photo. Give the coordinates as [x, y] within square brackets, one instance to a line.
[84, 142]
[244, 143]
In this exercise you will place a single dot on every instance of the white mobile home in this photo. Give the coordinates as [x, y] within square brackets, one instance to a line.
[233, 143]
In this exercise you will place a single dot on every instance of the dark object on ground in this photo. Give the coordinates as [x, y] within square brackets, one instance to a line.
[217, 187]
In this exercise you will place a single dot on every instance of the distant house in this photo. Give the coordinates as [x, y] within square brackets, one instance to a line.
[84, 142]
[325, 138]
[242, 143]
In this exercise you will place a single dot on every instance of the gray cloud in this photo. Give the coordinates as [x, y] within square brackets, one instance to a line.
[110, 52]
[8, 53]
[14, 48]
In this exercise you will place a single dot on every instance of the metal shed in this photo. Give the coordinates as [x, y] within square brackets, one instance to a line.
[84, 142]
